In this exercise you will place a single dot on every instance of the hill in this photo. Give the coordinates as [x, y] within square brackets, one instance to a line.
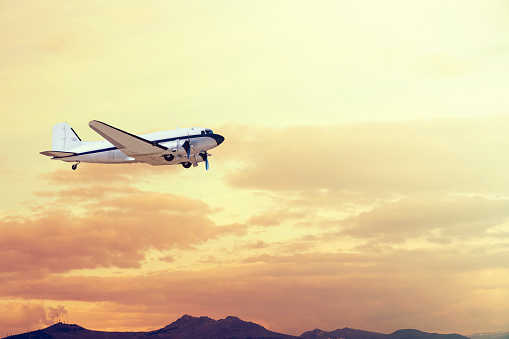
[345, 333]
[188, 327]
[415, 334]
[348, 333]
[489, 335]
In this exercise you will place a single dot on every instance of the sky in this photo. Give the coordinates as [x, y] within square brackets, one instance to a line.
[363, 181]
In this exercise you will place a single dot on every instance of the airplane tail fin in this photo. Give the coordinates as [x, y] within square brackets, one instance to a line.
[64, 137]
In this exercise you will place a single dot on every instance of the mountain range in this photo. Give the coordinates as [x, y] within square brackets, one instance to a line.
[188, 327]
[490, 335]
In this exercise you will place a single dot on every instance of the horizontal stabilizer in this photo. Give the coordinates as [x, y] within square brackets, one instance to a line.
[58, 154]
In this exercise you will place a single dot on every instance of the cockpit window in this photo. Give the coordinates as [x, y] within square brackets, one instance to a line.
[208, 131]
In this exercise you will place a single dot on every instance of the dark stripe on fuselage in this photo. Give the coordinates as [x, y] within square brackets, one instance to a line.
[156, 141]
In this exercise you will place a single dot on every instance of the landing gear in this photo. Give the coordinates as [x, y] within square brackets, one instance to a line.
[75, 165]
[169, 157]
[186, 164]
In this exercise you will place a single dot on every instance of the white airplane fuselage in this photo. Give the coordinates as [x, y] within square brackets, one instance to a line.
[186, 146]
[105, 153]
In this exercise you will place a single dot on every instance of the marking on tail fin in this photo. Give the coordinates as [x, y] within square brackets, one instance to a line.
[76, 134]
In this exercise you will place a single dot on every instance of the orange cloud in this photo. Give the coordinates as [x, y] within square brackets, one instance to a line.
[18, 317]
[364, 162]
[435, 219]
[294, 293]
[274, 217]
[111, 229]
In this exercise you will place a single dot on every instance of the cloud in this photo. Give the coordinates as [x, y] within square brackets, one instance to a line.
[383, 185]
[19, 316]
[455, 219]
[368, 161]
[437, 181]
[274, 217]
[104, 174]
[108, 230]
[294, 293]
[78, 194]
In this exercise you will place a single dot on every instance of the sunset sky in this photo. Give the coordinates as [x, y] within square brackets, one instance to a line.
[363, 182]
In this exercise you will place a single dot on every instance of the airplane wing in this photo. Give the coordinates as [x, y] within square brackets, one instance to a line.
[130, 144]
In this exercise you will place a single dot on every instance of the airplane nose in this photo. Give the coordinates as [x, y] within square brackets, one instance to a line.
[218, 138]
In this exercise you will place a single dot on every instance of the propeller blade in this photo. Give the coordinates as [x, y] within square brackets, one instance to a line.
[205, 158]
[187, 147]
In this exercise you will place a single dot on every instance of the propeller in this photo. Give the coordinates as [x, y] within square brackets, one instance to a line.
[187, 147]
[205, 158]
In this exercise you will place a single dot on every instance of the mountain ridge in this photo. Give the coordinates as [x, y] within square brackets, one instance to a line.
[490, 335]
[345, 333]
[190, 327]
[349, 333]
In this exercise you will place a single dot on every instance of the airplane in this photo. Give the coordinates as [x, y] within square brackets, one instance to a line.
[185, 146]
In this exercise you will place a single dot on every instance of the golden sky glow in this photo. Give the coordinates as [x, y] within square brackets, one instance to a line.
[363, 181]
